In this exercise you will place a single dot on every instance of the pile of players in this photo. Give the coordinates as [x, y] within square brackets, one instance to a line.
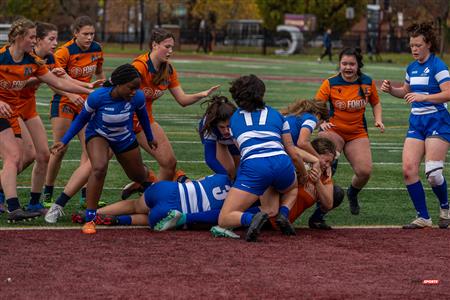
[266, 166]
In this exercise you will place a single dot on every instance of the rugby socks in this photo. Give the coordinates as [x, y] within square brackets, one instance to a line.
[62, 199]
[284, 210]
[48, 191]
[441, 192]
[124, 219]
[318, 214]
[83, 193]
[353, 192]
[246, 219]
[2, 196]
[34, 198]
[417, 195]
[253, 210]
[13, 204]
[90, 215]
[206, 217]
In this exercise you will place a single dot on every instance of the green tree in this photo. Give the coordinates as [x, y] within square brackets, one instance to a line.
[42, 10]
[329, 13]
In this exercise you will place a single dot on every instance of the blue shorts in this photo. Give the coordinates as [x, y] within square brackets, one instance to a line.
[430, 125]
[161, 197]
[117, 147]
[257, 174]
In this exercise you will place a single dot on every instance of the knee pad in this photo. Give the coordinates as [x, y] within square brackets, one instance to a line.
[338, 196]
[433, 171]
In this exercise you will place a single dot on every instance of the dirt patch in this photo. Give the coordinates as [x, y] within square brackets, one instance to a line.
[138, 263]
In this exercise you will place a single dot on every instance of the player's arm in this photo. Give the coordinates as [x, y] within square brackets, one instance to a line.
[325, 193]
[295, 156]
[398, 92]
[304, 141]
[187, 99]
[442, 97]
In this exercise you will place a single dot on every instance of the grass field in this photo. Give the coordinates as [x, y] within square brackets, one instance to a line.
[384, 201]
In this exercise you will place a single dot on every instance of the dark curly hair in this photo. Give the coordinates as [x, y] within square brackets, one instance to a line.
[356, 52]
[121, 75]
[248, 92]
[219, 109]
[427, 31]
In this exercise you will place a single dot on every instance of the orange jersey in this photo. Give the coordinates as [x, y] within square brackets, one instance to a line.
[27, 105]
[348, 102]
[79, 64]
[14, 75]
[152, 92]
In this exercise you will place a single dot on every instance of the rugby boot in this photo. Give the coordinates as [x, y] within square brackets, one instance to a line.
[285, 226]
[318, 224]
[419, 223]
[169, 222]
[444, 218]
[218, 231]
[254, 229]
[21, 215]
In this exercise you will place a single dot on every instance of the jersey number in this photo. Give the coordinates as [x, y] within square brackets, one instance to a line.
[248, 117]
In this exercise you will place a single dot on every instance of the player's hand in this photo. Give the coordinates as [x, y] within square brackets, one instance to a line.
[96, 84]
[314, 175]
[57, 147]
[5, 110]
[59, 72]
[386, 86]
[210, 91]
[76, 99]
[326, 126]
[414, 97]
[380, 125]
[153, 144]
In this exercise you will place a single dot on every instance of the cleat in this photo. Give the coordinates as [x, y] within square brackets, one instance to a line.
[89, 228]
[130, 189]
[218, 231]
[354, 205]
[284, 225]
[169, 222]
[48, 200]
[108, 220]
[255, 227]
[54, 213]
[83, 205]
[36, 208]
[78, 217]
[444, 218]
[318, 224]
[419, 223]
[21, 215]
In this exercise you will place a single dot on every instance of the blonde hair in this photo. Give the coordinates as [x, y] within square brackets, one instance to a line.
[19, 28]
[305, 105]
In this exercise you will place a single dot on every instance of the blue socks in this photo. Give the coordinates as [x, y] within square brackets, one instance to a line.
[62, 199]
[246, 219]
[206, 217]
[417, 195]
[284, 210]
[48, 190]
[441, 192]
[13, 204]
[352, 192]
[34, 198]
[318, 214]
[90, 214]
[124, 219]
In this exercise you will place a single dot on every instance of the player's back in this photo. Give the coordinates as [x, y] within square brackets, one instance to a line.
[258, 133]
[296, 123]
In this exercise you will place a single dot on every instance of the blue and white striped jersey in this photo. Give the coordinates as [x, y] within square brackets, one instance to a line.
[112, 118]
[425, 79]
[296, 123]
[204, 195]
[258, 133]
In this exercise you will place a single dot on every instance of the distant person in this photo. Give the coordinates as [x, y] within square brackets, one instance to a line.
[427, 89]
[326, 45]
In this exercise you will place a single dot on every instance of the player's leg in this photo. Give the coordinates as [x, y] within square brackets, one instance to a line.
[27, 146]
[413, 152]
[40, 142]
[163, 154]
[359, 156]
[435, 152]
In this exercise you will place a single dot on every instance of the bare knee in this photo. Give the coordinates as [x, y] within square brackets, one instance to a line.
[42, 157]
[364, 173]
[99, 171]
[410, 171]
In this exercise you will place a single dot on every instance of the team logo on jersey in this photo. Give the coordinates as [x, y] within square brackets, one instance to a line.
[94, 57]
[28, 71]
[4, 84]
[127, 106]
[153, 94]
[75, 72]
[340, 105]
[351, 105]
[426, 71]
